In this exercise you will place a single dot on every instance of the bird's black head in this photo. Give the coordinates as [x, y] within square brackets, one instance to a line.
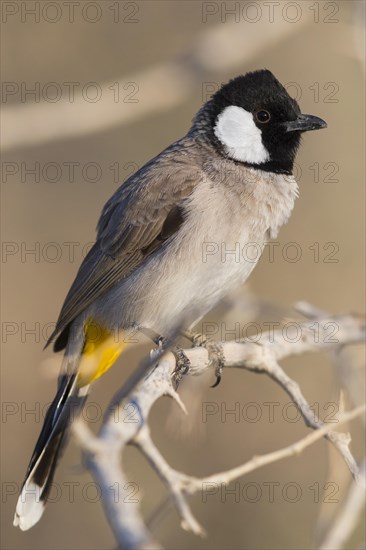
[253, 120]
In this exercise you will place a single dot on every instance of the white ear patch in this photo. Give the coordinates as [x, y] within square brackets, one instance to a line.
[242, 140]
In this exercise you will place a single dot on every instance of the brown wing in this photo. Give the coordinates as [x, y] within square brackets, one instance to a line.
[143, 213]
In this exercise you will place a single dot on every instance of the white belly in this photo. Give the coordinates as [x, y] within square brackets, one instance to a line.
[215, 250]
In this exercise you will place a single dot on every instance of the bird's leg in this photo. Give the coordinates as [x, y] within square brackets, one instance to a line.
[182, 362]
[183, 365]
[214, 350]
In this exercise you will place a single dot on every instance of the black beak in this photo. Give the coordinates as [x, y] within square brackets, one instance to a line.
[304, 123]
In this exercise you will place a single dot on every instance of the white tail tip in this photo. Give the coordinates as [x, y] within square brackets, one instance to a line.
[29, 508]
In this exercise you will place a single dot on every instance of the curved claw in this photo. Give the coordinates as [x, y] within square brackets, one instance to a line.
[218, 380]
[182, 366]
[214, 349]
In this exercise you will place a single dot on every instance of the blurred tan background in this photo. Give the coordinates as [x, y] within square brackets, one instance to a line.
[152, 64]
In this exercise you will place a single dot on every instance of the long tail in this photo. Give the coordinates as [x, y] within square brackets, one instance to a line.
[99, 352]
[68, 402]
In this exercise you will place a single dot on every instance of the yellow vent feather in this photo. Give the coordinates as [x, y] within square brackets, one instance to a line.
[101, 349]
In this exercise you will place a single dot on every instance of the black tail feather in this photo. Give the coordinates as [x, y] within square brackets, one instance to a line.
[67, 403]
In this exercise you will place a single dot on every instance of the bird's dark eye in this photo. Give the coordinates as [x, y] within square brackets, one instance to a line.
[263, 116]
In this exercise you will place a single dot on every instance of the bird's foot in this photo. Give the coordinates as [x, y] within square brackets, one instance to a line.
[182, 362]
[214, 349]
[182, 365]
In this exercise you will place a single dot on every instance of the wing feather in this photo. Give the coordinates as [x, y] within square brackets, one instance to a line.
[145, 211]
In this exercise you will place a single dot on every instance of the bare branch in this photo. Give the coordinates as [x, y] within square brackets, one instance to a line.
[259, 461]
[103, 453]
[348, 517]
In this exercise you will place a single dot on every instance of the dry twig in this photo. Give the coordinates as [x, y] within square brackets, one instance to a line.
[103, 453]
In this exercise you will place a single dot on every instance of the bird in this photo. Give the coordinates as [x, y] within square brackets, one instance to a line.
[171, 244]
